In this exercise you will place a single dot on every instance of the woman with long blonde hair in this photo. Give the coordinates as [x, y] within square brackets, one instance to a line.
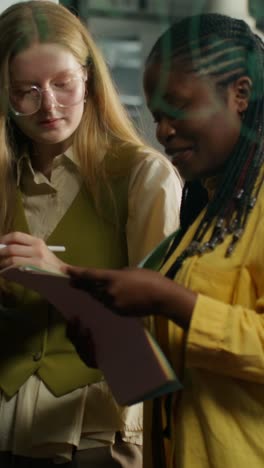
[73, 172]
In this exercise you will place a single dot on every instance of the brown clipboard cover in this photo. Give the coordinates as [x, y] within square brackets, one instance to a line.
[132, 362]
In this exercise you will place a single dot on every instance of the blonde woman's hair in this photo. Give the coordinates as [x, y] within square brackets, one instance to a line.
[105, 126]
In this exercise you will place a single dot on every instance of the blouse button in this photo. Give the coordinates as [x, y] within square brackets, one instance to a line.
[37, 356]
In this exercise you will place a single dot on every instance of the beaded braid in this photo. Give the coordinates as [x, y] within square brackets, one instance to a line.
[224, 48]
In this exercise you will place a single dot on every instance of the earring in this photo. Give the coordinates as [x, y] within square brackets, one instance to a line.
[244, 92]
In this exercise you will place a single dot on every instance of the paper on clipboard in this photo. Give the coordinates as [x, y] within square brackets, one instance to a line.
[132, 362]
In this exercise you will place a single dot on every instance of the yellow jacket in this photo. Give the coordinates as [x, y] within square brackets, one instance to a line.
[218, 420]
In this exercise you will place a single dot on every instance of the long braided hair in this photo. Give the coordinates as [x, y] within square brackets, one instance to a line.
[225, 49]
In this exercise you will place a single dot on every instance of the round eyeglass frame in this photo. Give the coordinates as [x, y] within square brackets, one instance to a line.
[41, 90]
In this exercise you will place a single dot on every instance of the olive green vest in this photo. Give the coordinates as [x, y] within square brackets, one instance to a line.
[33, 335]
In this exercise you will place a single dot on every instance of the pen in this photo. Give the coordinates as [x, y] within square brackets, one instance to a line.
[53, 248]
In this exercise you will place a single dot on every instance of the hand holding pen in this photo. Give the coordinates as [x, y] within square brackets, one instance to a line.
[19, 248]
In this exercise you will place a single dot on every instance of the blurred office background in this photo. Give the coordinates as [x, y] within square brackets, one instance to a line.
[125, 30]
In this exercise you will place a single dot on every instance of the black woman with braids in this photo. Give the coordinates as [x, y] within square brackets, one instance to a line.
[204, 84]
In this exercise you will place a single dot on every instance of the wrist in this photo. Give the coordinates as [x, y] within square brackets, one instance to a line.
[177, 303]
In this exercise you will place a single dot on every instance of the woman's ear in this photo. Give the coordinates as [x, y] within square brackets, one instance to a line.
[241, 93]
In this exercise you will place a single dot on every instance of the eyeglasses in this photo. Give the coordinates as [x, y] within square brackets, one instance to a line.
[26, 99]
